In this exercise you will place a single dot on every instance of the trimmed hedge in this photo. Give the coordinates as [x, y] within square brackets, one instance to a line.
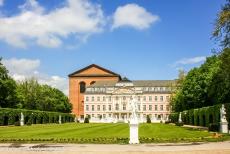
[201, 116]
[10, 116]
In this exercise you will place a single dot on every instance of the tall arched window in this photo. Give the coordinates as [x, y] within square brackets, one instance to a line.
[82, 87]
[92, 82]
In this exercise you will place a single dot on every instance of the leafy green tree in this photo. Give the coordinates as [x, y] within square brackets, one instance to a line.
[220, 87]
[42, 97]
[193, 90]
[222, 26]
[8, 93]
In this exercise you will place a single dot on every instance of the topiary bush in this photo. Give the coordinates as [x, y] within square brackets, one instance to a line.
[214, 127]
[86, 120]
[148, 120]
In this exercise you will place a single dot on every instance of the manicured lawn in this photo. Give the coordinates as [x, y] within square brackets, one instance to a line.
[101, 133]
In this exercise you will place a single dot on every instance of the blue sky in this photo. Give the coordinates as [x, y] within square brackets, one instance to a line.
[140, 39]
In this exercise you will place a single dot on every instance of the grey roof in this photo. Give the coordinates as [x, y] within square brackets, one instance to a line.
[138, 83]
[153, 83]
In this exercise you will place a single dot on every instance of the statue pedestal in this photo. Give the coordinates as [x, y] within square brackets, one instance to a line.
[224, 127]
[133, 132]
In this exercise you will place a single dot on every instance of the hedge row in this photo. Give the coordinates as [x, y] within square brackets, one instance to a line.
[201, 116]
[115, 140]
[10, 116]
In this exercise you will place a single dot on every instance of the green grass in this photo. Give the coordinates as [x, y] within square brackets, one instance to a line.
[101, 133]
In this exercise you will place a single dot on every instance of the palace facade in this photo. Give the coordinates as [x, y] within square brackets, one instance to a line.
[104, 96]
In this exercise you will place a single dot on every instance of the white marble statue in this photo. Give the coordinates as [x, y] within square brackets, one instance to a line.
[133, 125]
[222, 114]
[180, 120]
[223, 120]
[133, 105]
[22, 119]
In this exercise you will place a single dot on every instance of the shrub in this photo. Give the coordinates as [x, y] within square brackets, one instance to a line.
[86, 120]
[214, 127]
[17, 123]
[148, 120]
[179, 123]
[9, 116]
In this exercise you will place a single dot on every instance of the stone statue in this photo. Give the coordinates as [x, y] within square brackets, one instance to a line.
[133, 105]
[22, 120]
[222, 114]
[180, 120]
[133, 125]
[223, 121]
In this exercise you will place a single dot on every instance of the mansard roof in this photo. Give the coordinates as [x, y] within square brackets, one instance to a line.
[108, 72]
[137, 83]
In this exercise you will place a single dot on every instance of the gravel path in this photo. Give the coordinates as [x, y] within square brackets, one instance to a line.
[186, 148]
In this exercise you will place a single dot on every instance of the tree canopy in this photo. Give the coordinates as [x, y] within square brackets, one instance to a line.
[29, 94]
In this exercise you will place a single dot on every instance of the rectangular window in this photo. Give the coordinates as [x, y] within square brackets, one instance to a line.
[155, 98]
[144, 107]
[87, 107]
[104, 116]
[139, 98]
[110, 115]
[139, 107]
[124, 98]
[150, 98]
[117, 98]
[92, 115]
[92, 107]
[87, 98]
[117, 106]
[155, 107]
[98, 99]
[103, 98]
[110, 98]
[161, 107]
[150, 107]
[110, 107]
[104, 107]
[161, 98]
[167, 98]
[124, 106]
[161, 89]
[167, 107]
[92, 98]
[98, 107]
[144, 98]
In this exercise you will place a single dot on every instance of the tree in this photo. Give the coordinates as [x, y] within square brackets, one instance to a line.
[42, 97]
[222, 26]
[220, 87]
[8, 93]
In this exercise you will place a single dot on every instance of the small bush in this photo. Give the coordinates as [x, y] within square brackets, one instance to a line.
[179, 123]
[148, 119]
[86, 120]
[29, 122]
[214, 127]
[17, 123]
[167, 122]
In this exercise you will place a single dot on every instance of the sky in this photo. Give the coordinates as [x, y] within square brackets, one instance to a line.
[138, 39]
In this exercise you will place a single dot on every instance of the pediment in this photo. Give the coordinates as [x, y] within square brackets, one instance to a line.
[94, 70]
[124, 91]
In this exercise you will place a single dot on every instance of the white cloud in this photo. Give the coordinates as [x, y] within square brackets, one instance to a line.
[1, 3]
[21, 69]
[193, 60]
[133, 15]
[33, 23]
[21, 66]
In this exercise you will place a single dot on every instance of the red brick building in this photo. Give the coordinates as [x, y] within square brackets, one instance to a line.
[80, 79]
